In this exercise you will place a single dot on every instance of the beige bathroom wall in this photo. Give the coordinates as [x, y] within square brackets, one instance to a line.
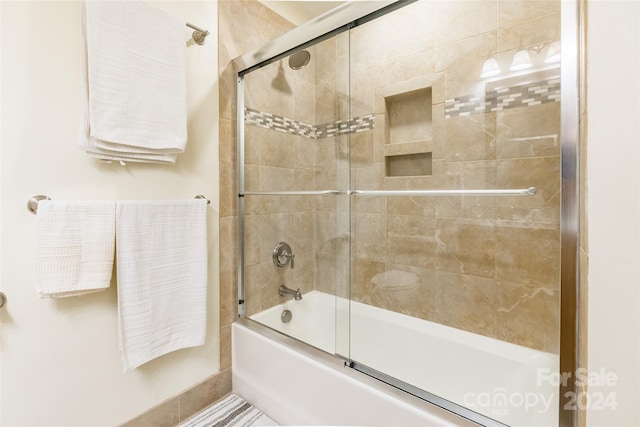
[60, 363]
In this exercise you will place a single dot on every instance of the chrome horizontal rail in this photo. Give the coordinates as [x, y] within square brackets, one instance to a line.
[290, 193]
[498, 192]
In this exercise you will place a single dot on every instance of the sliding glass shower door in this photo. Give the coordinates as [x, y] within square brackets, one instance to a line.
[399, 201]
[456, 203]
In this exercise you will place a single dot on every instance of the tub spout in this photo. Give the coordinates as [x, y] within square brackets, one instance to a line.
[283, 291]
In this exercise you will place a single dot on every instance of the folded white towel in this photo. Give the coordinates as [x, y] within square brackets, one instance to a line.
[74, 247]
[134, 82]
[162, 277]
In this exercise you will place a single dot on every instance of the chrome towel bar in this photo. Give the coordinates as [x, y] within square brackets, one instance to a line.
[32, 204]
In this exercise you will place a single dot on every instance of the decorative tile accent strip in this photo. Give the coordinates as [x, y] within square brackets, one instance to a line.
[341, 127]
[294, 127]
[279, 123]
[526, 95]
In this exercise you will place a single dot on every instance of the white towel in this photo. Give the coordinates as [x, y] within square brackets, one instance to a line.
[74, 247]
[134, 83]
[161, 251]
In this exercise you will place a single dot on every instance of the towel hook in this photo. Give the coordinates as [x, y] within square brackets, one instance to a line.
[32, 204]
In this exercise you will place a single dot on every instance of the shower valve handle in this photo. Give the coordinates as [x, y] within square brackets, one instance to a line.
[282, 254]
[291, 257]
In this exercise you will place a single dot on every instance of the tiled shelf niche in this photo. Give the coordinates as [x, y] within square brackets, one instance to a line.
[413, 118]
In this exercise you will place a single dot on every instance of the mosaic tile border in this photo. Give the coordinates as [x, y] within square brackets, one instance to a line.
[525, 95]
[295, 127]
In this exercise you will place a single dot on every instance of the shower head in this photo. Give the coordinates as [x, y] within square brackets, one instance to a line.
[299, 59]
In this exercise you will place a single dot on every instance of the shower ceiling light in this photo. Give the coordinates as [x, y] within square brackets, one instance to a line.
[553, 54]
[490, 68]
[521, 61]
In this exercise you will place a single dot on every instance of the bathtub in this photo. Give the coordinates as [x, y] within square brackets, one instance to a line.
[500, 380]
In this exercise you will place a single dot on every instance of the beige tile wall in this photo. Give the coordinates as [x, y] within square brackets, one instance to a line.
[485, 264]
[489, 265]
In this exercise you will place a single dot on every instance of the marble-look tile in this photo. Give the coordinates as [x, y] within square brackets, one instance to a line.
[529, 255]
[253, 136]
[472, 207]
[409, 31]
[404, 289]
[466, 302]
[228, 150]
[369, 234]
[470, 17]
[278, 149]
[370, 205]
[512, 12]
[326, 271]
[252, 239]
[540, 172]
[403, 205]
[325, 234]
[368, 45]
[411, 238]
[228, 189]
[543, 29]
[466, 247]
[462, 63]
[227, 233]
[326, 60]
[529, 132]
[225, 347]
[361, 149]
[228, 297]
[471, 175]
[363, 271]
[520, 307]
[470, 138]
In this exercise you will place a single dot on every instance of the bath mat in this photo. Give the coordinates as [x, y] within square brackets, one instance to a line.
[232, 411]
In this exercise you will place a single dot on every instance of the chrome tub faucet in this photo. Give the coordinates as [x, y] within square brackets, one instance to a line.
[283, 291]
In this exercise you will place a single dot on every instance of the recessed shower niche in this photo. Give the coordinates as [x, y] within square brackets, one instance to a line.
[413, 115]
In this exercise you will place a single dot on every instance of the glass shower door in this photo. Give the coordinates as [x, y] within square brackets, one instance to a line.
[455, 249]
[293, 200]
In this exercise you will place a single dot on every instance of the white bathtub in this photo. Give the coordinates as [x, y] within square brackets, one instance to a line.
[498, 379]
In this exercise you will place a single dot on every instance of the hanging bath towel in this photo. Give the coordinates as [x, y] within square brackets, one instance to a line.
[134, 83]
[161, 252]
[74, 247]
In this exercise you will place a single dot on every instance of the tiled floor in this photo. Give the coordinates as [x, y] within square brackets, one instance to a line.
[232, 411]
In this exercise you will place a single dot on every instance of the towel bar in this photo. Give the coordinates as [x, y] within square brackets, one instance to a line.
[32, 204]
